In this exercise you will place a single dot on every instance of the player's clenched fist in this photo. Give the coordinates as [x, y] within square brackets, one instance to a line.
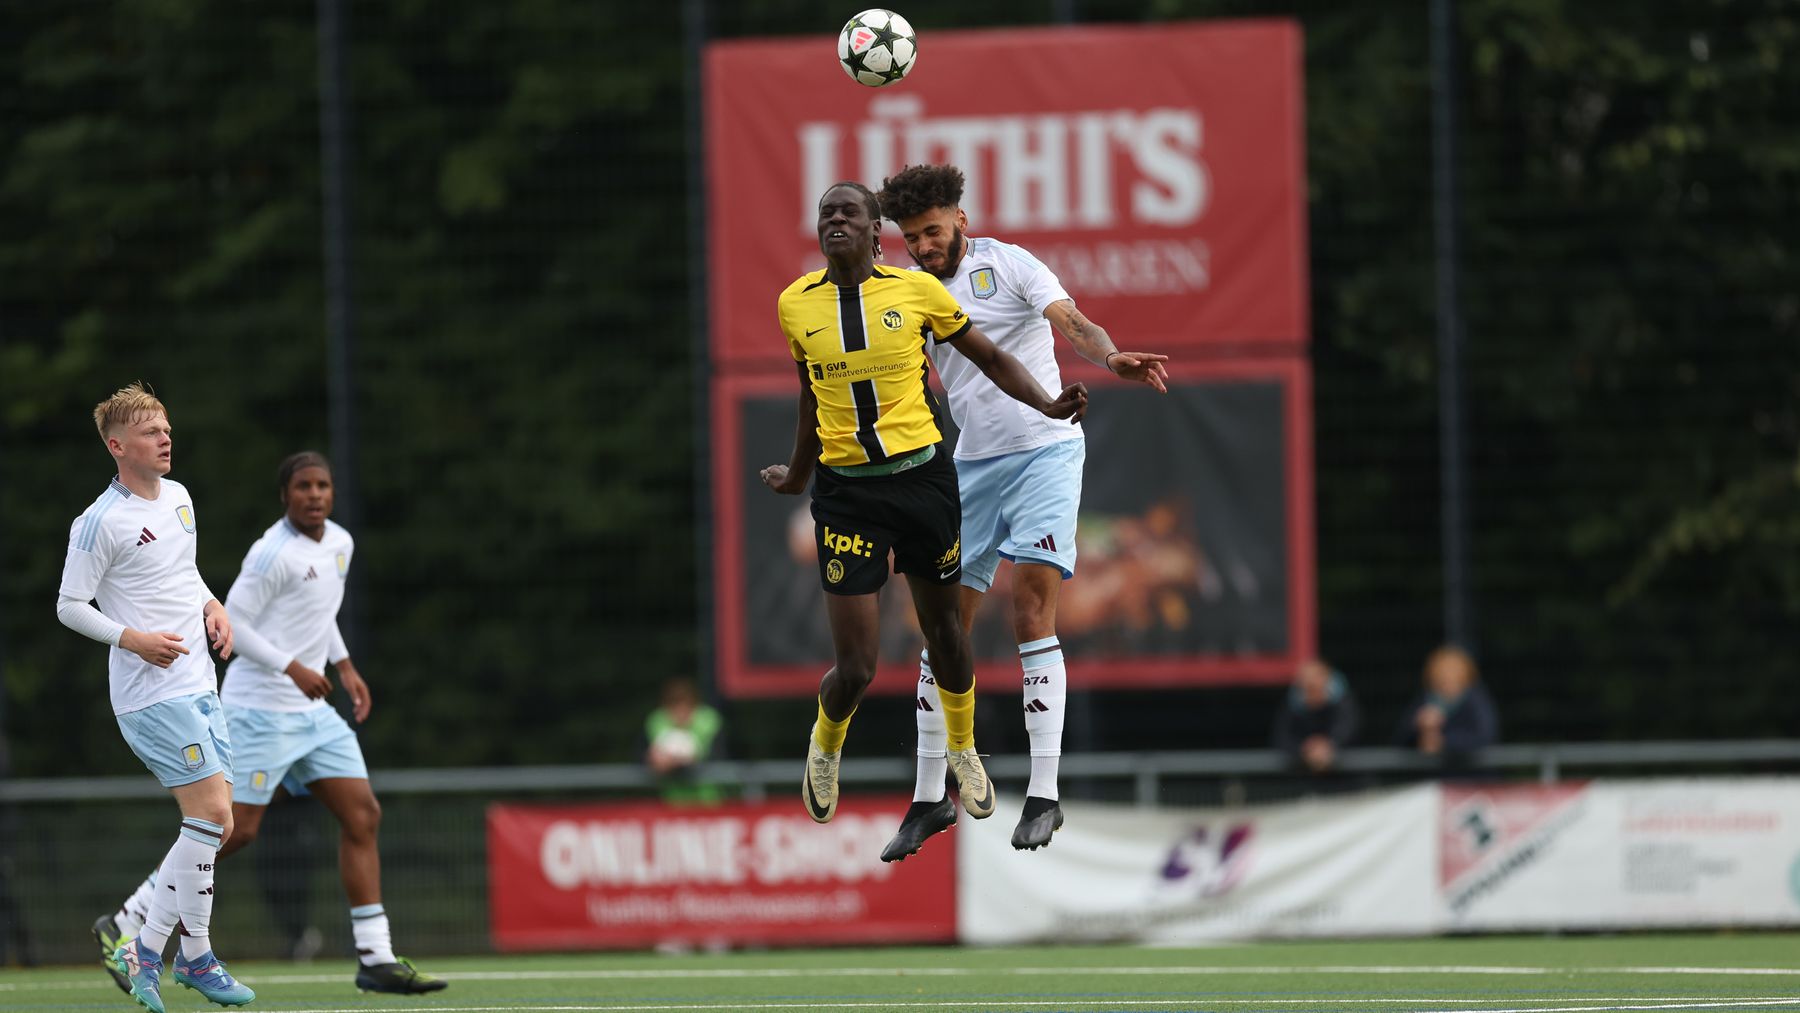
[775, 476]
[1071, 404]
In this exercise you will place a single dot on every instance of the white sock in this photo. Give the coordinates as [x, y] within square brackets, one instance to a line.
[928, 783]
[369, 925]
[131, 914]
[184, 891]
[1046, 697]
[200, 841]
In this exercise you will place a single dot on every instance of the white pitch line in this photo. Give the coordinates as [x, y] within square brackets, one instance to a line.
[1594, 1004]
[1619, 1005]
[1708, 970]
[1033, 972]
[1639, 1005]
[701, 973]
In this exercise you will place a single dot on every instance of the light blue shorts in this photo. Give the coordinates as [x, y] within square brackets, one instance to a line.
[1020, 506]
[294, 748]
[181, 740]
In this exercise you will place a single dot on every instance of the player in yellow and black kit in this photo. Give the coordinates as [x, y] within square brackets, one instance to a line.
[858, 332]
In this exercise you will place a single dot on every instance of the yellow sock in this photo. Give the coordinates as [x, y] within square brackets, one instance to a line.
[830, 734]
[959, 716]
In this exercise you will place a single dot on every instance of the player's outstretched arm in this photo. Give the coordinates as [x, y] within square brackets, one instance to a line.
[790, 479]
[1011, 376]
[1096, 346]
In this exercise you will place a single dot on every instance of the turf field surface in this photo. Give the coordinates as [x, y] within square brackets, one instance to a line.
[1538, 974]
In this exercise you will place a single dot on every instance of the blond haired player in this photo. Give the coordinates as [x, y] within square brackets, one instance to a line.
[285, 603]
[132, 551]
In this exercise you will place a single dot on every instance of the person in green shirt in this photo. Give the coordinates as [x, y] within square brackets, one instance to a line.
[681, 734]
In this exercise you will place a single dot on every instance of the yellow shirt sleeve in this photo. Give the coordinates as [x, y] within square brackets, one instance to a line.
[944, 317]
[783, 316]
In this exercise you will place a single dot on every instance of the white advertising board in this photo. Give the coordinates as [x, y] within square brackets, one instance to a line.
[1621, 854]
[1351, 865]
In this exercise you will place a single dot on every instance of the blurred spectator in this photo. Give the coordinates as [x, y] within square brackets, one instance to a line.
[1454, 717]
[1317, 719]
[681, 734]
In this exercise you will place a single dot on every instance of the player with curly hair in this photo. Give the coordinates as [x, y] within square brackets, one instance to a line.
[1019, 477]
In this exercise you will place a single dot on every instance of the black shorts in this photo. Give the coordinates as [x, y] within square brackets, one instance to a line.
[916, 514]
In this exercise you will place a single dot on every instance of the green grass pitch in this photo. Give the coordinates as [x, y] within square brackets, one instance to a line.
[1536, 974]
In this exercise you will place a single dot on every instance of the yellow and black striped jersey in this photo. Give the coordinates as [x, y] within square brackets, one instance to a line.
[864, 347]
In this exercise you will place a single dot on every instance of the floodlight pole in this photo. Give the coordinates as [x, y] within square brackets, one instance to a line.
[340, 331]
[1459, 617]
[693, 36]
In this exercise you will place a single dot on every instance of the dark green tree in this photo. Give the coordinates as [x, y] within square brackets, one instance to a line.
[525, 381]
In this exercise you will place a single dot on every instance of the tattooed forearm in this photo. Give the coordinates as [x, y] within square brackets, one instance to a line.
[1089, 338]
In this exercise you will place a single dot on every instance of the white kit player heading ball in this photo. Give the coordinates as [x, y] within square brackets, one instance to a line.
[1019, 476]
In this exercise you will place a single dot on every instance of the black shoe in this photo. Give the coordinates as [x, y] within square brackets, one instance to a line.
[922, 820]
[1041, 818]
[106, 933]
[399, 978]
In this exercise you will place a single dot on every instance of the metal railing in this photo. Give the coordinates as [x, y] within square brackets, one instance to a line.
[1145, 771]
[72, 848]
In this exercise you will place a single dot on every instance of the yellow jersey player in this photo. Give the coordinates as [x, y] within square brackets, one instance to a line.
[858, 334]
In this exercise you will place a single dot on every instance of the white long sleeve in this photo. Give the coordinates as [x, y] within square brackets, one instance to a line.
[255, 646]
[90, 622]
[337, 651]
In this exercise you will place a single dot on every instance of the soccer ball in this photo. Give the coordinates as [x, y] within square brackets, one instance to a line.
[877, 48]
[678, 744]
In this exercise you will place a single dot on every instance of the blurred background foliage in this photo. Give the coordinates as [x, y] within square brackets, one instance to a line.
[527, 569]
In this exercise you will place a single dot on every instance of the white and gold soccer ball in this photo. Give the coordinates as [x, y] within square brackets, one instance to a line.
[877, 48]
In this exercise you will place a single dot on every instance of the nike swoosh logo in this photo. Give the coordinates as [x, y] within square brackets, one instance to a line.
[987, 801]
[816, 330]
[818, 812]
[947, 574]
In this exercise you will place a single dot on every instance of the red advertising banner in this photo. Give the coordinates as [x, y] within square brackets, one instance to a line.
[1157, 169]
[635, 875]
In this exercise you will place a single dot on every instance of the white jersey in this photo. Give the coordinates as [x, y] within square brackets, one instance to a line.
[1005, 290]
[284, 607]
[134, 557]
